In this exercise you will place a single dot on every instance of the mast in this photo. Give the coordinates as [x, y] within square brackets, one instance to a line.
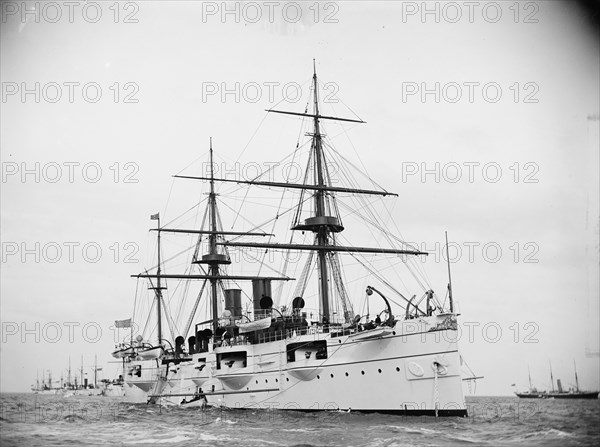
[551, 376]
[81, 371]
[95, 370]
[69, 375]
[212, 239]
[529, 374]
[576, 379]
[213, 258]
[158, 289]
[450, 285]
[322, 231]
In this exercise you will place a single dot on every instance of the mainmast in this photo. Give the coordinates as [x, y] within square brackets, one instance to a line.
[212, 239]
[576, 379]
[213, 258]
[551, 376]
[322, 230]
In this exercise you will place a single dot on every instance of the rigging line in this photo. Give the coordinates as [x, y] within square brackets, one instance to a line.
[199, 241]
[137, 284]
[331, 103]
[170, 322]
[252, 137]
[347, 161]
[203, 155]
[184, 293]
[169, 197]
[148, 319]
[295, 152]
[387, 234]
[185, 212]
[272, 167]
[172, 257]
[387, 283]
[266, 265]
[374, 223]
[190, 320]
[296, 219]
[381, 278]
[254, 227]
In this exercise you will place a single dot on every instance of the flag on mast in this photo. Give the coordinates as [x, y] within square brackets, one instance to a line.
[154, 216]
[123, 323]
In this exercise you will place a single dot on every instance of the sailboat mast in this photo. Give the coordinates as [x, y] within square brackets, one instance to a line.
[551, 376]
[529, 374]
[576, 379]
[212, 239]
[323, 232]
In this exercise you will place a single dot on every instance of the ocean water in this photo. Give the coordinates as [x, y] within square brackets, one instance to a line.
[34, 420]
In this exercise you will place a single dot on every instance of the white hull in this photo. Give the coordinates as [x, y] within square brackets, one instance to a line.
[388, 372]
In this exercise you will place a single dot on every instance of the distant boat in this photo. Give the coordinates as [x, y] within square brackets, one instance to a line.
[532, 393]
[572, 393]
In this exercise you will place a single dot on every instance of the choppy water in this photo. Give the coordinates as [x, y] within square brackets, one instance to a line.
[34, 420]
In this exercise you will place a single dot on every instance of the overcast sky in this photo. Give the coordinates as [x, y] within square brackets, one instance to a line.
[102, 105]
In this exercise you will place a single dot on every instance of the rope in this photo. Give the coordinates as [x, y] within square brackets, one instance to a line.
[436, 392]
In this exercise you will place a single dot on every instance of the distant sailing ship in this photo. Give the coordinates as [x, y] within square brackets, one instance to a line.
[572, 393]
[280, 354]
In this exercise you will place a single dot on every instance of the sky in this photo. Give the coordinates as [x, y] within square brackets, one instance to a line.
[483, 117]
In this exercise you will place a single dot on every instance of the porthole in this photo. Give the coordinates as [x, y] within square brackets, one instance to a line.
[287, 379]
[332, 376]
[379, 371]
[318, 377]
[362, 372]
[266, 381]
[397, 369]
[257, 382]
[276, 380]
[346, 374]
